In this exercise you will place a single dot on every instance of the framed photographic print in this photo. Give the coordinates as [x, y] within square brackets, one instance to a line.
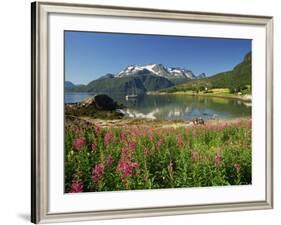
[146, 112]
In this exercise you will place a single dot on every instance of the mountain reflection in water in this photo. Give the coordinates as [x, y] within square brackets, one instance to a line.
[177, 107]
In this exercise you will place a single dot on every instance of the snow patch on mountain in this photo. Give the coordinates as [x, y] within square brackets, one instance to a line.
[158, 70]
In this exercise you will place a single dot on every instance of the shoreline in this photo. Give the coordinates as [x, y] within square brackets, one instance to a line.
[242, 98]
[134, 122]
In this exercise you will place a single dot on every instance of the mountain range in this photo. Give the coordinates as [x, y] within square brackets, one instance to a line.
[136, 79]
[139, 79]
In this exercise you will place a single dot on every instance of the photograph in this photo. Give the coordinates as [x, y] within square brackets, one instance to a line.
[145, 111]
[140, 112]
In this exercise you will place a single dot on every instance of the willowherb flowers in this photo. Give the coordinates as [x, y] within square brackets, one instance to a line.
[97, 130]
[76, 186]
[179, 140]
[97, 172]
[132, 146]
[138, 132]
[194, 156]
[146, 151]
[150, 135]
[108, 138]
[130, 157]
[77, 130]
[79, 143]
[159, 143]
[94, 147]
[109, 160]
[123, 136]
[127, 150]
[217, 159]
[135, 165]
[127, 168]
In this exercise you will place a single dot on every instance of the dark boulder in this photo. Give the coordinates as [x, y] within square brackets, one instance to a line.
[99, 106]
[101, 102]
[104, 102]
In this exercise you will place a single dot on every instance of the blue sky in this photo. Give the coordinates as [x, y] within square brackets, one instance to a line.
[89, 55]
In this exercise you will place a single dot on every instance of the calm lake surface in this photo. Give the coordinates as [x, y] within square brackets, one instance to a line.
[173, 107]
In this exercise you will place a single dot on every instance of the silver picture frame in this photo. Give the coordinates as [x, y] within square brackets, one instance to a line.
[40, 103]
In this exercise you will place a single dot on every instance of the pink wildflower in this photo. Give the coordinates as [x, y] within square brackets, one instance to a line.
[108, 137]
[97, 172]
[146, 151]
[135, 165]
[218, 159]
[179, 140]
[123, 136]
[94, 147]
[97, 130]
[137, 132]
[160, 132]
[125, 151]
[132, 146]
[150, 135]
[159, 143]
[126, 168]
[76, 130]
[76, 186]
[194, 156]
[78, 143]
[109, 160]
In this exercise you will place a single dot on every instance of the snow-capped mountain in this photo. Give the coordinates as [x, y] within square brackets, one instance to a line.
[140, 78]
[158, 70]
[179, 72]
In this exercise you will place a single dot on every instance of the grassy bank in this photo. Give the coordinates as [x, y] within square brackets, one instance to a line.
[141, 157]
[218, 92]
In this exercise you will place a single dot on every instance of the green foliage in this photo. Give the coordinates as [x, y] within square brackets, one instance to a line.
[240, 78]
[132, 158]
[135, 84]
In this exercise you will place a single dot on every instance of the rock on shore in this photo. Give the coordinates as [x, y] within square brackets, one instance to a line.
[99, 106]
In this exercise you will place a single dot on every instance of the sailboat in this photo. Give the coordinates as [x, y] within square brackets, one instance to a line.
[133, 95]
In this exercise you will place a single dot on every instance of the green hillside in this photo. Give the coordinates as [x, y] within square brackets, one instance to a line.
[134, 84]
[239, 78]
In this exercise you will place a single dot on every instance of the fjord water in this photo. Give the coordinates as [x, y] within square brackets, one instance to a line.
[176, 107]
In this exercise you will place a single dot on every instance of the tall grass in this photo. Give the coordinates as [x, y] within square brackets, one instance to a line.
[129, 158]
